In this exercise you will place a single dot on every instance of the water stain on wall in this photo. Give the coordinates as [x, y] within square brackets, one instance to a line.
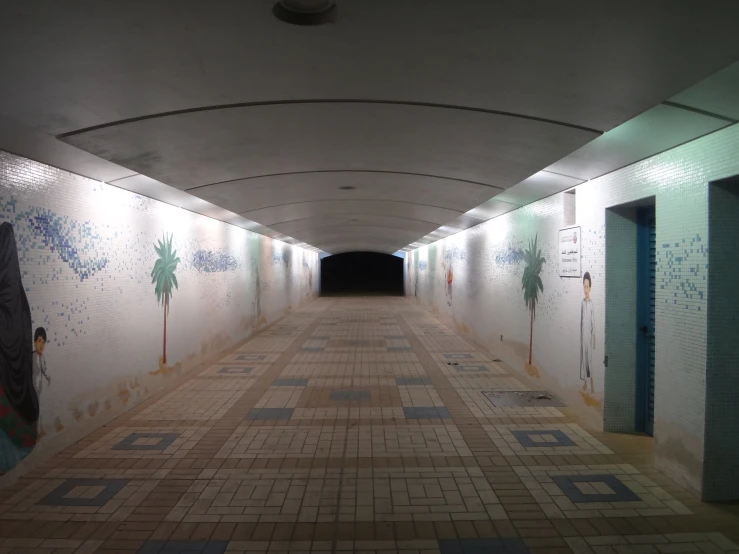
[589, 400]
[123, 394]
[167, 369]
[675, 450]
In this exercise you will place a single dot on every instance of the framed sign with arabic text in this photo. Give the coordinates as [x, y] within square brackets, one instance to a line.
[570, 258]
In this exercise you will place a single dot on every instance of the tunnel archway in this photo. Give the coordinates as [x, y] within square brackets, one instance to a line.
[362, 273]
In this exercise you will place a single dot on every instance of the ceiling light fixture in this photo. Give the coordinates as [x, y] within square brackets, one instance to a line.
[305, 12]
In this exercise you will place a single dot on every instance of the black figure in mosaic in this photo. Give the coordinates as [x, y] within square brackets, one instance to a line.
[19, 407]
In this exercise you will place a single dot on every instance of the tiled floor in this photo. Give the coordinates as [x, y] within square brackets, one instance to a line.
[355, 425]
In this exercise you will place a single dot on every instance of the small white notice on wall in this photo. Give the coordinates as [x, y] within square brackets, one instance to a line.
[569, 252]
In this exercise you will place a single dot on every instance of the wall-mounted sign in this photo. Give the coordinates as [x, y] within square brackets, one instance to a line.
[570, 246]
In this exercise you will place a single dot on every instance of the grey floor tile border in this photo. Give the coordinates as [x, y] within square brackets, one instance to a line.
[523, 436]
[240, 370]
[471, 368]
[128, 443]
[621, 493]
[57, 497]
[267, 414]
[426, 412]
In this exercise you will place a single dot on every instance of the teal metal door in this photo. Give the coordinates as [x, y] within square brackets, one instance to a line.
[646, 283]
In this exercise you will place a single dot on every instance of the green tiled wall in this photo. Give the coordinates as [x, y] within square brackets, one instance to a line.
[721, 458]
[621, 332]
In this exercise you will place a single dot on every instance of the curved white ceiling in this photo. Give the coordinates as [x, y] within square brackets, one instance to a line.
[428, 109]
[198, 148]
[377, 148]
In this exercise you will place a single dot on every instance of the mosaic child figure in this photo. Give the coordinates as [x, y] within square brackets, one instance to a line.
[39, 369]
[587, 335]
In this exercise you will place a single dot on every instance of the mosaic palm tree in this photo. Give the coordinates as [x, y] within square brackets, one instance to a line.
[531, 284]
[164, 278]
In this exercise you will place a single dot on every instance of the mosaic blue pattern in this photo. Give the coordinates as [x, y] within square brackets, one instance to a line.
[349, 395]
[74, 242]
[290, 383]
[508, 255]
[284, 257]
[129, 443]
[412, 381]
[235, 370]
[270, 413]
[58, 497]
[191, 547]
[209, 261]
[426, 412]
[251, 357]
[683, 267]
[554, 437]
[482, 546]
[621, 493]
[471, 369]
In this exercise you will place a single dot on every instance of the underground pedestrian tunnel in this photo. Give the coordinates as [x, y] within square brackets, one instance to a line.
[316, 276]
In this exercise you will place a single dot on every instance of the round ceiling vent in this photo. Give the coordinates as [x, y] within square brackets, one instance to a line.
[305, 12]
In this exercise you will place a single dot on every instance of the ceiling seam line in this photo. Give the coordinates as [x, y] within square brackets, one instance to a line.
[699, 111]
[350, 200]
[394, 230]
[308, 172]
[564, 175]
[123, 178]
[263, 103]
[356, 214]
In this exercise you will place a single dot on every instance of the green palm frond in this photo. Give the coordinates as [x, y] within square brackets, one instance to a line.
[163, 275]
[531, 282]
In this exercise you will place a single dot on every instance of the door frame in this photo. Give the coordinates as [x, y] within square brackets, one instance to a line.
[643, 300]
[621, 316]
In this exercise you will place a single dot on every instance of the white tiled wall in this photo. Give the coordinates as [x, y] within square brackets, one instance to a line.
[486, 300]
[86, 253]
